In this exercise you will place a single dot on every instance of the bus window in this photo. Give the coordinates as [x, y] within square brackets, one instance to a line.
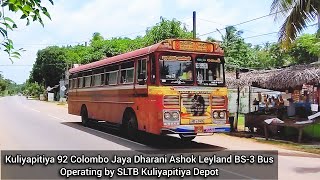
[74, 83]
[127, 71]
[141, 69]
[97, 78]
[102, 79]
[106, 82]
[80, 83]
[112, 78]
[209, 71]
[153, 69]
[111, 75]
[70, 83]
[87, 79]
[176, 70]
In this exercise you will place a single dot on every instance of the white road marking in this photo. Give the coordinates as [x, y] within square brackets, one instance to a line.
[31, 109]
[56, 117]
[234, 173]
[117, 137]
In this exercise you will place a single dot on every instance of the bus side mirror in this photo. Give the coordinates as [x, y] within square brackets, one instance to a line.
[141, 79]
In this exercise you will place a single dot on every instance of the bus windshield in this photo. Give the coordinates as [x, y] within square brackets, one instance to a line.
[209, 71]
[176, 69]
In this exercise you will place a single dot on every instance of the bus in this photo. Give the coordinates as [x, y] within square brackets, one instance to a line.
[176, 86]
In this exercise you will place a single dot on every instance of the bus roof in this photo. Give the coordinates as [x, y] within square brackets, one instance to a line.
[170, 44]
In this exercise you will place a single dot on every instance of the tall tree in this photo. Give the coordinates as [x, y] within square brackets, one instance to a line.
[237, 52]
[305, 49]
[166, 29]
[298, 15]
[49, 67]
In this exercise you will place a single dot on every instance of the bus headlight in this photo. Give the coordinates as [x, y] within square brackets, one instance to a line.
[167, 115]
[222, 115]
[175, 115]
[215, 114]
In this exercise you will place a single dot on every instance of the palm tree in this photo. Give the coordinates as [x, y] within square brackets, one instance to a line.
[298, 13]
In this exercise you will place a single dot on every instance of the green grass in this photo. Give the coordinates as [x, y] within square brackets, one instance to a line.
[61, 103]
[241, 120]
[315, 149]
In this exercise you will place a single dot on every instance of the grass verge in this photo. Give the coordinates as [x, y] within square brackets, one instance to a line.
[315, 149]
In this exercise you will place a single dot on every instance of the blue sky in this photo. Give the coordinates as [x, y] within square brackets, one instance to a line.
[74, 21]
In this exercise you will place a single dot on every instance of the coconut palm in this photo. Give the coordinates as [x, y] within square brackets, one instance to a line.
[298, 15]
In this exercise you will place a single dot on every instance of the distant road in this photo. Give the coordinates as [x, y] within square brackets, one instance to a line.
[35, 125]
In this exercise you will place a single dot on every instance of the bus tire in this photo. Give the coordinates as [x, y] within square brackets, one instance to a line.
[187, 138]
[84, 116]
[131, 126]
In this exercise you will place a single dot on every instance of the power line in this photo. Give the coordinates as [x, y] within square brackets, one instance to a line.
[260, 35]
[50, 44]
[244, 22]
[23, 65]
[224, 25]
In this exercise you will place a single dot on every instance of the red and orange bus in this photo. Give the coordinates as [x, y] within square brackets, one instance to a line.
[172, 87]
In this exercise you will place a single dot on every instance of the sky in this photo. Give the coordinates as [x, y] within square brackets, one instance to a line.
[74, 21]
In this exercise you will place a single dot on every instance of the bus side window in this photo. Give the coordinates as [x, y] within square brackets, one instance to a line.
[141, 71]
[106, 82]
[111, 75]
[153, 70]
[127, 73]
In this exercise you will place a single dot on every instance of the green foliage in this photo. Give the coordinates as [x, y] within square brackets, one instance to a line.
[52, 62]
[8, 87]
[297, 15]
[31, 10]
[33, 89]
[237, 52]
[166, 29]
[50, 66]
[306, 49]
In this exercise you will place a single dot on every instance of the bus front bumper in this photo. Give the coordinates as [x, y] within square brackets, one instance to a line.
[195, 129]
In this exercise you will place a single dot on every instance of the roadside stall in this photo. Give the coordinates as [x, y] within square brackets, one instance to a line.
[280, 98]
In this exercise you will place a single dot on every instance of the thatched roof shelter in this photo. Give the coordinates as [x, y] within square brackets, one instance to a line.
[276, 79]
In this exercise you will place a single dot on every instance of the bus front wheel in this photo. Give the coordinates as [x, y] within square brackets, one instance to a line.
[84, 116]
[187, 137]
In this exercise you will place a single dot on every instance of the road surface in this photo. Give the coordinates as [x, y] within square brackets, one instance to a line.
[34, 125]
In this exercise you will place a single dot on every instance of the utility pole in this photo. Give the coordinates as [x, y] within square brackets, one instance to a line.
[194, 25]
[238, 100]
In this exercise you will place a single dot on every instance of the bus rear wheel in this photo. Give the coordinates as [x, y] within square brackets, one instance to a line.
[84, 116]
[187, 137]
[131, 126]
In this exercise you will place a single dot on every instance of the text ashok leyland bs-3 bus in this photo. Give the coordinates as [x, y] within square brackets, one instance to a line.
[173, 87]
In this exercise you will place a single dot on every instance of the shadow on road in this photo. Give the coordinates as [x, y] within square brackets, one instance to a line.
[146, 141]
[307, 170]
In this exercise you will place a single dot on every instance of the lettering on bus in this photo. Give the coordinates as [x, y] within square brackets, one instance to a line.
[176, 58]
[192, 46]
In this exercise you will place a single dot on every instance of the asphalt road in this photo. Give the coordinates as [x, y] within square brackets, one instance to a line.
[34, 125]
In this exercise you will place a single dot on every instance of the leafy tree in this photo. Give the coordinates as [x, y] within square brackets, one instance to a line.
[166, 29]
[49, 67]
[306, 49]
[237, 52]
[33, 89]
[31, 10]
[297, 14]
